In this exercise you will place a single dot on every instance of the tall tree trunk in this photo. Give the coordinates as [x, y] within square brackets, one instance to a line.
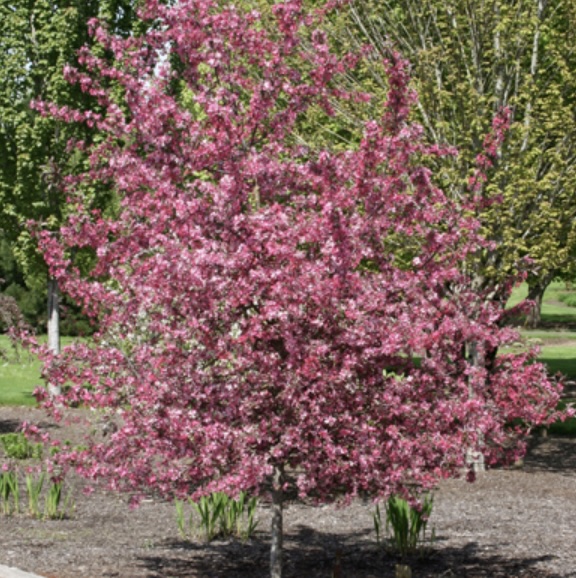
[536, 290]
[540, 7]
[277, 517]
[53, 326]
[475, 457]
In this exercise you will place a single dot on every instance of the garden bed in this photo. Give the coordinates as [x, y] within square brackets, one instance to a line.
[509, 523]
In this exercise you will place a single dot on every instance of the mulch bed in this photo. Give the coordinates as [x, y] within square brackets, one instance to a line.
[508, 524]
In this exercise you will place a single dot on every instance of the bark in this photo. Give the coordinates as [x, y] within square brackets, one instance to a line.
[541, 5]
[53, 325]
[277, 518]
[499, 86]
[536, 291]
[475, 458]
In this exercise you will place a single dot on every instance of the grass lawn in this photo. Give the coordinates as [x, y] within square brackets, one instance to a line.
[19, 375]
[553, 310]
[557, 346]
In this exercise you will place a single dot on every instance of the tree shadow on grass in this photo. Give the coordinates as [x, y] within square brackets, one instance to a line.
[312, 554]
[564, 365]
[558, 320]
[551, 454]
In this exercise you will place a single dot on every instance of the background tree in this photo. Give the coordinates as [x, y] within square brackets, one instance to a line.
[470, 60]
[37, 39]
[271, 318]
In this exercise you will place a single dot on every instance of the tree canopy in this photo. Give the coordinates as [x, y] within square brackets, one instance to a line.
[470, 60]
[270, 315]
[37, 40]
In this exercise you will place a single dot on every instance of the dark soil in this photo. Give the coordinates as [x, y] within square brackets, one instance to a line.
[509, 523]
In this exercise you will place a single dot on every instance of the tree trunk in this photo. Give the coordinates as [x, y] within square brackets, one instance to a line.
[534, 317]
[53, 326]
[277, 515]
[536, 291]
[475, 458]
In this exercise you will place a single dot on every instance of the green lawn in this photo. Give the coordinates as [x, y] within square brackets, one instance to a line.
[19, 375]
[560, 359]
[558, 346]
[553, 310]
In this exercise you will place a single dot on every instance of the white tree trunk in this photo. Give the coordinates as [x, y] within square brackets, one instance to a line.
[53, 326]
[277, 515]
[541, 5]
[475, 458]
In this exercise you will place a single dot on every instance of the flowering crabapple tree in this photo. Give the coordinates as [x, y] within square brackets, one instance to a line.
[271, 318]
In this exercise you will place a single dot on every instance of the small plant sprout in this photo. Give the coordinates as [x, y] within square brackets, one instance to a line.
[377, 517]
[183, 522]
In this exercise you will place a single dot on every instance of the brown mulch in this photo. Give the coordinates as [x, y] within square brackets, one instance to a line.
[516, 523]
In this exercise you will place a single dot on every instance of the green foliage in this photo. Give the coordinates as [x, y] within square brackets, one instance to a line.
[9, 493]
[563, 428]
[469, 60]
[566, 427]
[18, 447]
[405, 524]
[34, 485]
[568, 298]
[56, 504]
[37, 40]
[31, 302]
[73, 323]
[219, 515]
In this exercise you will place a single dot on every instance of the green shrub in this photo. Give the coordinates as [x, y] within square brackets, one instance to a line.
[17, 447]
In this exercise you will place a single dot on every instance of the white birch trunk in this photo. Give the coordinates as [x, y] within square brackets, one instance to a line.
[53, 326]
[475, 458]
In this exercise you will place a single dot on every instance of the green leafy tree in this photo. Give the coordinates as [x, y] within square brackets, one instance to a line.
[38, 38]
[470, 60]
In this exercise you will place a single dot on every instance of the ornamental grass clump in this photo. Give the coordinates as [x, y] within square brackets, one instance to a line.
[48, 502]
[34, 484]
[218, 516]
[9, 492]
[57, 505]
[406, 525]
